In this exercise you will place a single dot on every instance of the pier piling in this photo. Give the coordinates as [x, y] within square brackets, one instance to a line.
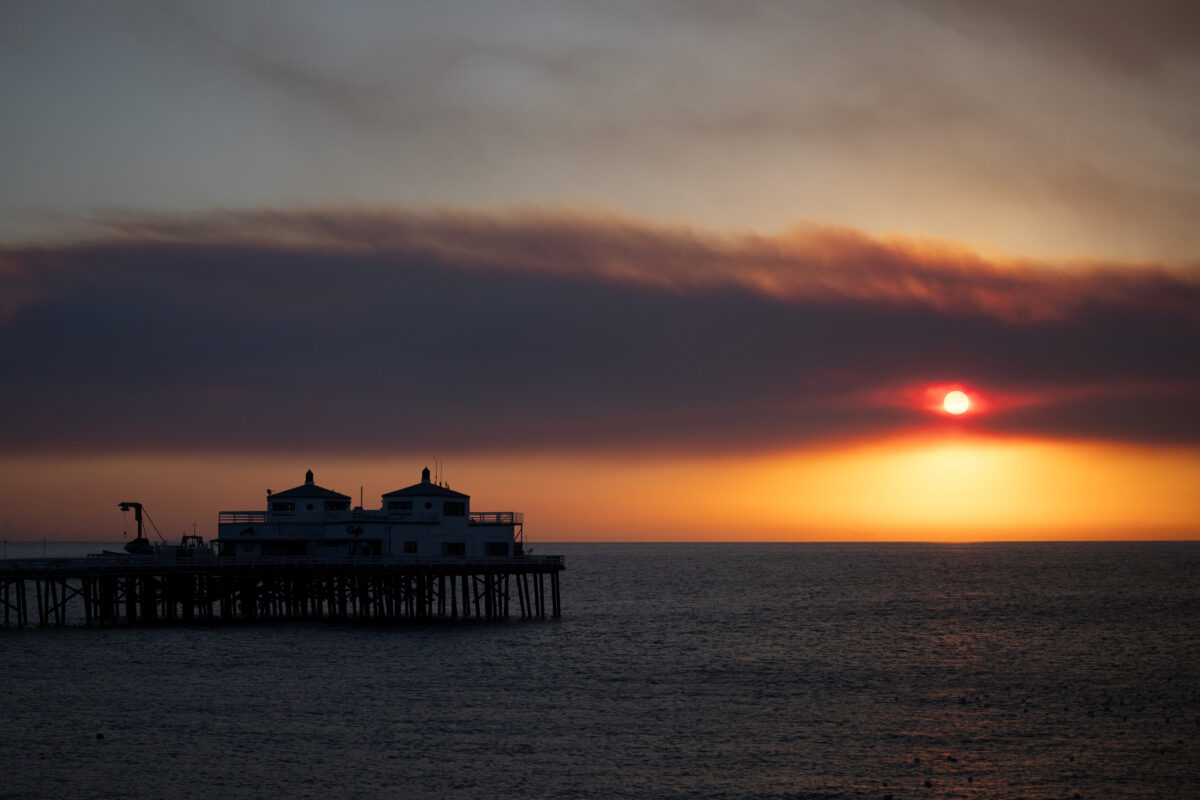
[105, 591]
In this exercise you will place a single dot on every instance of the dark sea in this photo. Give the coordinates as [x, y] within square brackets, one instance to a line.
[677, 671]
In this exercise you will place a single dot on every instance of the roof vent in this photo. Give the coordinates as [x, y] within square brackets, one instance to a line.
[308, 479]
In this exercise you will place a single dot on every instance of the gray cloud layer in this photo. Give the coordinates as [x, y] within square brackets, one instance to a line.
[382, 332]
[1065, 128]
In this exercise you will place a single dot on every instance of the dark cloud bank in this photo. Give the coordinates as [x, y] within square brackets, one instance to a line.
[375, 332]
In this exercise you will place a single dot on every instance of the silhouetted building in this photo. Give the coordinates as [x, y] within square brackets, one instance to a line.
[425, 520]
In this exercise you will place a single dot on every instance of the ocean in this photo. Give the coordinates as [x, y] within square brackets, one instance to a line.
[1046, 670]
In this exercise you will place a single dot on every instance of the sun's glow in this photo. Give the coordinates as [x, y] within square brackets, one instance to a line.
[950, 487]
[956, 402]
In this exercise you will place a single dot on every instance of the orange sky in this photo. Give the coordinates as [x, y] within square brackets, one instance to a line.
[613, 380]
[648, 271]
[937, 488]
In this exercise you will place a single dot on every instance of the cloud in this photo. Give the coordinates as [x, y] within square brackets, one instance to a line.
[822, 264]
[367, 330]
[979, 121]
[1138, 38]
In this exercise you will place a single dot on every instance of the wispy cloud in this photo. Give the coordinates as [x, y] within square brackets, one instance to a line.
[812, 263]
[1067, 129]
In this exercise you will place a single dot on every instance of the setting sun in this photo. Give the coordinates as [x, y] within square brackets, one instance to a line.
[956, 402]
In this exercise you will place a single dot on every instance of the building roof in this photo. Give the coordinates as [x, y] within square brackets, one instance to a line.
[426, 489]
[310, 490]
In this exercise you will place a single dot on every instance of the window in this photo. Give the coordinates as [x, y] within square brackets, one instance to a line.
[283, 507]
[337, 505]
[410, 547]
[399, 505]
[454, 508]
[309, 506]
[454, 548]
[495, 548]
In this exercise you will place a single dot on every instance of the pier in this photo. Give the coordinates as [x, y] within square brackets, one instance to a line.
[108, 590]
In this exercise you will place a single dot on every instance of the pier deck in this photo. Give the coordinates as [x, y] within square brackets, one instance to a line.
[105, 590]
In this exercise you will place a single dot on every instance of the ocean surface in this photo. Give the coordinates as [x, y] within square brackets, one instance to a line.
[677, 671]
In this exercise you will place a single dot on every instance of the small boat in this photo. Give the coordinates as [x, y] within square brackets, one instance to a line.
[190, 545]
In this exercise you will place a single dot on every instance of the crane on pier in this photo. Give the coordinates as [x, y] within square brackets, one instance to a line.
[140, 546]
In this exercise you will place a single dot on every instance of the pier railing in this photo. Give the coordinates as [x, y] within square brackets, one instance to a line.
[101, 563]
[497, 518]
[242, 517]
[475, 517]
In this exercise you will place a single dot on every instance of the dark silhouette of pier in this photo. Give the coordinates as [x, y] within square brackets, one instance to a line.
[107, 590]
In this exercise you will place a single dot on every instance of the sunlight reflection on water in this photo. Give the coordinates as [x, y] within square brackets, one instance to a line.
[710, 671]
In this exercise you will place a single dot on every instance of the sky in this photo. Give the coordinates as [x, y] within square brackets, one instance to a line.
[644, 271]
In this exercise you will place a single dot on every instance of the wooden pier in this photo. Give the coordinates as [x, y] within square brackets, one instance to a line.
[132, 589]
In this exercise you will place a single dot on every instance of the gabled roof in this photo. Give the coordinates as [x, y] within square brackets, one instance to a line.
[425, 489]
[311, 491]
